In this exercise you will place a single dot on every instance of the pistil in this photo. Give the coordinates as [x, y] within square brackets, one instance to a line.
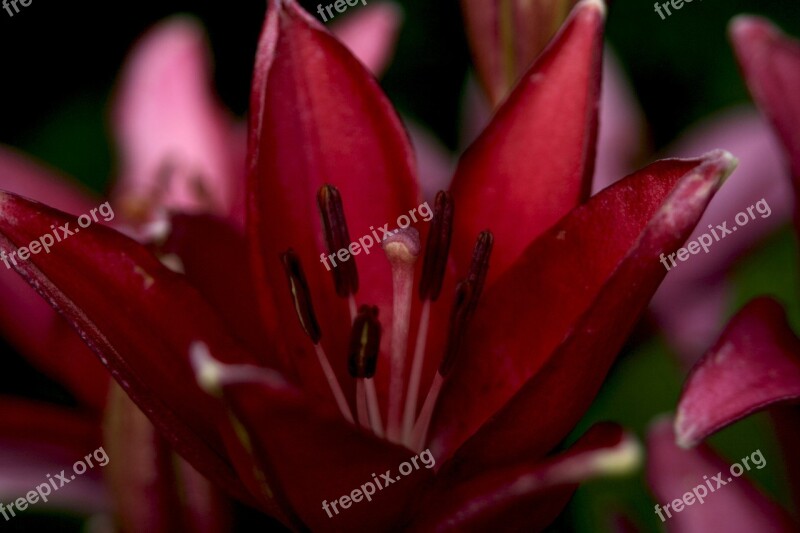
[402, 249]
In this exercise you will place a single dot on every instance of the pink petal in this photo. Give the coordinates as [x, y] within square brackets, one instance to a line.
[691, 317]
[371, 34]
[738, 507]
[435, 165]
[754, 364]
[527, 496]
[620, 141]
[174, 138]
[589, 277]
[770, 62]
[534, 162]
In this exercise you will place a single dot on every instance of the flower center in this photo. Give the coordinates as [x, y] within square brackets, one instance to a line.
[403, 424]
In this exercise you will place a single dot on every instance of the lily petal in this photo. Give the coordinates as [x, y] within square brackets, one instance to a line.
[517, 181]
[691, 303]
[528, 496]
[606, 254]
[219, 276]
[371, 34]
[317, 117]
[302, 452]
[754, 364]
[506, 36]
[174, 137]
[115, 294]
[770, 62]
[31, 325]
[739, 507]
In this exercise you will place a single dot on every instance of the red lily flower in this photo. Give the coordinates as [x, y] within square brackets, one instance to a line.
[754, 365]
[323, 137]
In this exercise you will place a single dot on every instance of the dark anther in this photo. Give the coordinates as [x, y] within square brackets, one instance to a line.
[437, 247]
[459, 317]
[301, 295]
[479, 267]
[365, 342]
[345, 274]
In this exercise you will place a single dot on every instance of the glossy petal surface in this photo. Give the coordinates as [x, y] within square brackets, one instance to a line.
[534, 161]
[754, 364]
[588, 278]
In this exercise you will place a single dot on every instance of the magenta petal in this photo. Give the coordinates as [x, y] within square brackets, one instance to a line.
[32, 326]
[736, 507]
[175, 139]
[527, 496]
[137, 316]
[754, 364]
[690, 305]
[589, 277]
[371, 34]
[770, 62]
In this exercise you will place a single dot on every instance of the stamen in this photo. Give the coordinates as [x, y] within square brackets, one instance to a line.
[334, 224]
[336, 389]
[410, 409]
[436, 253]
[437, 248]
[466, 299]
[301, 295]
[365, 343]
[479, 266]
[458, 323]
[402, 249]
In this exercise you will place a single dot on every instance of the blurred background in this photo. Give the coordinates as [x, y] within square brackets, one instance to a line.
[59, 62]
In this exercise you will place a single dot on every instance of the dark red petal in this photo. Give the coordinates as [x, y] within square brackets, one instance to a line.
[28, 322]
[308, 457]
[137, 316]
[754, 364]
[527, 496]
[222, 276]
[770, 62]
[737, 506]
[586, 282]
[505, 37]
[534, 161]
[318, 116]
